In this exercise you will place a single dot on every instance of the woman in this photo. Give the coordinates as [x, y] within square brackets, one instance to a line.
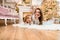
[37, 16]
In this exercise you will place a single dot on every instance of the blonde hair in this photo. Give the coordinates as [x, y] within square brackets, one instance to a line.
[26, 17]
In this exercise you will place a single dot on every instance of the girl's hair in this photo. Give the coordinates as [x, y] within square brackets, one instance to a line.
[26, 17]
[41, 17]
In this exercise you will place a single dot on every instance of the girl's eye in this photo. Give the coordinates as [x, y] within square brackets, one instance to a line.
[37, 15]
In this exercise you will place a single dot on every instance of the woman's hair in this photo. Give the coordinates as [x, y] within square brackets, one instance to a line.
[41, 15]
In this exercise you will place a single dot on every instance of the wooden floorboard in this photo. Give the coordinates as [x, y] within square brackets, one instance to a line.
[15, 33]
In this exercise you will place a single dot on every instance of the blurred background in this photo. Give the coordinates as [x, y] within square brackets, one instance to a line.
[50, 8]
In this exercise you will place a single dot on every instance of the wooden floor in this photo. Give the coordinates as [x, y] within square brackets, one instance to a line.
[15, 33]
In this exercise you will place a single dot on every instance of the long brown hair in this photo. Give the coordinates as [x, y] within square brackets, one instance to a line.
[41, 15]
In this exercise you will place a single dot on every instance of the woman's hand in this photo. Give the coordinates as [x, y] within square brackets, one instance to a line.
[37, 15]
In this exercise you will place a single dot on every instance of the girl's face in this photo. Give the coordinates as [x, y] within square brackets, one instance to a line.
[28, 20]
[37, 14]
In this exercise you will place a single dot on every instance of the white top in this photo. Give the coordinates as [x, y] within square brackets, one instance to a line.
[35, 21]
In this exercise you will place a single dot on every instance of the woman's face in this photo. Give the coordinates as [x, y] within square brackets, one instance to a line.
[37, 13]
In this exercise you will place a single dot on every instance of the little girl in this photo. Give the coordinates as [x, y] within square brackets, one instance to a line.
[28, 19]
